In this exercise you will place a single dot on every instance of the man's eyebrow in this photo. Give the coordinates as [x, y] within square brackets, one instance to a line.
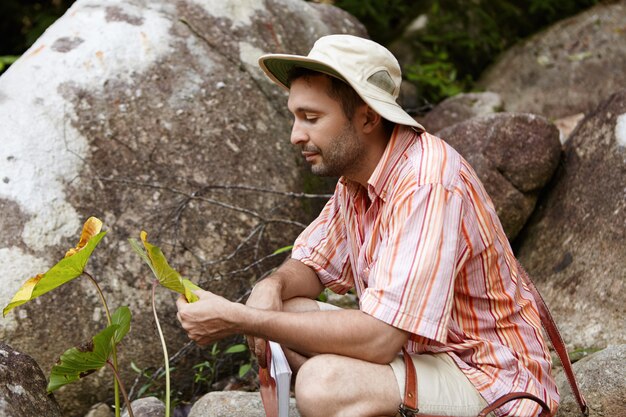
[304, 109]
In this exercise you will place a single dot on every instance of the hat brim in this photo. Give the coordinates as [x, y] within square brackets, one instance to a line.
[278, 66]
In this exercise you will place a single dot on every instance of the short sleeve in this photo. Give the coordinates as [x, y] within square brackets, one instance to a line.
[322, 246]
[411, 284]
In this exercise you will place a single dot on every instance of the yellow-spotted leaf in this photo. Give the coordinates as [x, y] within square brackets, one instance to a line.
[68, 268]
[84, 360]
[164, 273]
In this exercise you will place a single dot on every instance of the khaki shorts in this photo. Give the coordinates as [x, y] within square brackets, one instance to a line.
[443, 389]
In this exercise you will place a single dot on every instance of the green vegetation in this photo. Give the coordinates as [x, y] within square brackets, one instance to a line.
[460, 38]
[81, 361]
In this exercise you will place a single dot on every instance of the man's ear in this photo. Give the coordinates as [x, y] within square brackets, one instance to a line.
[371, 120]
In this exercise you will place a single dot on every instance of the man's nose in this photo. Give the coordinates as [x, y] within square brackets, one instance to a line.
[298, 134]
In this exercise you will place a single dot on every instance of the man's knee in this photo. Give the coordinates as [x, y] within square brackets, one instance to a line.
[300, 305]
[316, 385]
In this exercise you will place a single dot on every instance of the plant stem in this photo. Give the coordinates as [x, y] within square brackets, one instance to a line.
[165, 356]
[116, 387]
[119, 380]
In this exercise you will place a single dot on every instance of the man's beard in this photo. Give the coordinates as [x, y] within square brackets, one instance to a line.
[343, 155]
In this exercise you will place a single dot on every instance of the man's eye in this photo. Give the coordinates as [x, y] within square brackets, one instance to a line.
[311, 118]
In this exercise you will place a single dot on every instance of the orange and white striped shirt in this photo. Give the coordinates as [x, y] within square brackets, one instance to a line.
[428, 255]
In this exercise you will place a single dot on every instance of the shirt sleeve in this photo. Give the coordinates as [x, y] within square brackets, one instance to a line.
[411, 283]
[322, 246]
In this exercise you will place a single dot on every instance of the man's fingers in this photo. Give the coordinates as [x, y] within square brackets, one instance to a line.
[181, 301]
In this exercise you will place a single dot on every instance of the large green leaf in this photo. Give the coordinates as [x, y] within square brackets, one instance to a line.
[121, 317]
[164, 273]
[64, 271]
[78, 362]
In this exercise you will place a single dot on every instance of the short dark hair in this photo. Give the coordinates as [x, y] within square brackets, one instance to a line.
[338, 89]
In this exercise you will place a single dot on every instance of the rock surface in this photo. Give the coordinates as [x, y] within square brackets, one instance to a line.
[602, 380]
[573, 245]
[23, 387]
[460, 108]
[568, 68]
[234, 403]
[514, 155]
[146, 407]
[131, 111]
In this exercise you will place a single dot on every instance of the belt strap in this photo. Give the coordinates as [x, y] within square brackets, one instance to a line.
[408, 408]
[555, 337]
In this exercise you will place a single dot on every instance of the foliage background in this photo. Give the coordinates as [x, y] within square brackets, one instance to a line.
[460, 38]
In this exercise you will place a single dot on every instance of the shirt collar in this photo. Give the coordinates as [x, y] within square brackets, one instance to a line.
[400, 141]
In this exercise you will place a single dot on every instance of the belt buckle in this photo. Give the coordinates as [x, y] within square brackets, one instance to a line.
[407, 411]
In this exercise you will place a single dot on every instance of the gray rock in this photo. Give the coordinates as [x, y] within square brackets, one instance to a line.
[23, 387]
[234, 403]
[460, 108]
[131, 111]
[514, 155]
[602, 380]
[100, 410]
[567, 69]
[574, 243]
[146, 407]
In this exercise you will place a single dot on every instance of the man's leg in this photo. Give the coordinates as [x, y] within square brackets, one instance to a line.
[337, 386]
[332, 385]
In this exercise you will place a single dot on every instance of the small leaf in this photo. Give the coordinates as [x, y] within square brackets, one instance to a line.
[135, 368]
[79, 362]
[236, 348]
[121, 317]
[244, 369]
[283, 250]
[64, 271]
[164, 273]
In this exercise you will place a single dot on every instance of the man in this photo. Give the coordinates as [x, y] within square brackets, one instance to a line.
[411, 228]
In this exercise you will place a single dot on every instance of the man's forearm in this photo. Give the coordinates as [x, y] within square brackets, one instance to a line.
[344, 332]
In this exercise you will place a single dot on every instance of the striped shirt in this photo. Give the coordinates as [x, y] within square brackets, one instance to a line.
[426, 253]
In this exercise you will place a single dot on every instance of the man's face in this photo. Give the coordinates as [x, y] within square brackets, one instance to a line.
[329, 141]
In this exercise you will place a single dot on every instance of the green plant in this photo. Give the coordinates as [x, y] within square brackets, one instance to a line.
[151, 378]
[168, 277]
[81, 361]
[205, 372]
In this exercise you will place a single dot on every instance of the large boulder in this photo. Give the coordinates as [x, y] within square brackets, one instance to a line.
[514, 155]
[574, 242]
[148, 115]
[567, 69]
[602, 380]
[23, 387]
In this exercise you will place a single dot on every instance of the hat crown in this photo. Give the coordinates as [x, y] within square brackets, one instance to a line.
[360, 59]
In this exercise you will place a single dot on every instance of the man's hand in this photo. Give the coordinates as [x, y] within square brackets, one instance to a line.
[266, 295]
[209, 319]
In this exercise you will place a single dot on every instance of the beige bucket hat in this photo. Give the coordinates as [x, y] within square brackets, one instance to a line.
[368, 67]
